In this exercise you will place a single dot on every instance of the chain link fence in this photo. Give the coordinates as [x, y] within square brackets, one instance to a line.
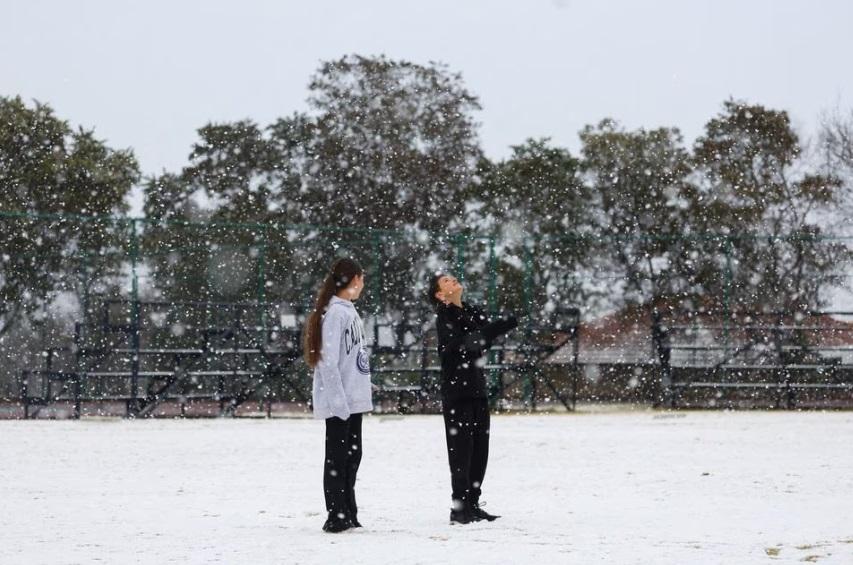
[607, 317]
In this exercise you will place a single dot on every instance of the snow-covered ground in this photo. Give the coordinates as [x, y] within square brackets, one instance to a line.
[628, 487]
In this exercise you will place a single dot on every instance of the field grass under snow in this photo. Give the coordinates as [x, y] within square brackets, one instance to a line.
[629, 487]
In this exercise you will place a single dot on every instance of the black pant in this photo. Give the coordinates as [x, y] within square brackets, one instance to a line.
[466, 426]
[343, 456]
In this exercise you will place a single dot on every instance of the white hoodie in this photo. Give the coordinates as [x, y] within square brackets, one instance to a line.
[342, 376]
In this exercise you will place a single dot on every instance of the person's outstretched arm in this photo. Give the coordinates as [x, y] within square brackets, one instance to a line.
[499, 327]
[483, 338]
[493, 329]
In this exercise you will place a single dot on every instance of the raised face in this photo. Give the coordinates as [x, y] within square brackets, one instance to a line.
[449, 288]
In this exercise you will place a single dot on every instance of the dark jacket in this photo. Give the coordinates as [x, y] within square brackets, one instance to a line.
[464, 337]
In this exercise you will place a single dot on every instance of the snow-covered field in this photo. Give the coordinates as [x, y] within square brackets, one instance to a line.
[627, 487]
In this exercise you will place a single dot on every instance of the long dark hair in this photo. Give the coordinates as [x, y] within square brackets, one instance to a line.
[339, 276]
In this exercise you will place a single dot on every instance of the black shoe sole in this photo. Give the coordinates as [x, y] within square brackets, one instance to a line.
[463, 522]
[489, 518]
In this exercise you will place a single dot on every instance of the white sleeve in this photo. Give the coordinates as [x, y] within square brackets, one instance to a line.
[328, 368]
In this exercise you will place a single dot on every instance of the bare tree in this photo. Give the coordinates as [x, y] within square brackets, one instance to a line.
[835, 145]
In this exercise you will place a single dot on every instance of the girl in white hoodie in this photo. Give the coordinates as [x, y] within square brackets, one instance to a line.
[334, 347]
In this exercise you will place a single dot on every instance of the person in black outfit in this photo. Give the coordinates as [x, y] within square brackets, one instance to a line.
[465, 335]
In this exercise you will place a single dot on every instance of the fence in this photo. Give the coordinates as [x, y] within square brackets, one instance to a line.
[176, 276]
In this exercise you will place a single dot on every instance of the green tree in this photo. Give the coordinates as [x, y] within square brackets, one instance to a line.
[395, 148]
[755, 187]
[395, 144]
[640, 180]
[541, 211]
[49, 169]
[388, 149]
[208, 241]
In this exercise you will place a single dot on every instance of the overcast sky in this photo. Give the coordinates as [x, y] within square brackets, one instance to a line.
[147, 74]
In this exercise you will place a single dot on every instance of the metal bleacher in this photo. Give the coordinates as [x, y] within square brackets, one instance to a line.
[143, 354]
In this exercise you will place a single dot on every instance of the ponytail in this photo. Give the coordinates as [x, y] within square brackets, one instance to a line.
[339, 276]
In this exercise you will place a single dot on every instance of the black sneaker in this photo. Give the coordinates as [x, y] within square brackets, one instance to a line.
[482, 514]
[464, 516]
[336, 525]
[355, 523]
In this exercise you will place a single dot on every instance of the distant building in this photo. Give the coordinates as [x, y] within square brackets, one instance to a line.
[698, 340]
